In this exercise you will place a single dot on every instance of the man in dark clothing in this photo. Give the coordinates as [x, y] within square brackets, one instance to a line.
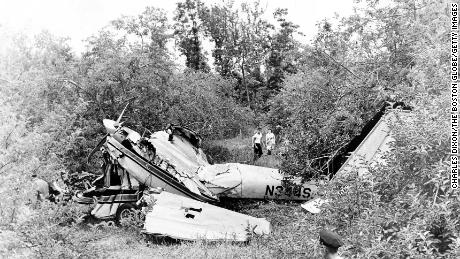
[257, 144]
[125, 141]
[148, 149]
[170, 131]
[331, 242]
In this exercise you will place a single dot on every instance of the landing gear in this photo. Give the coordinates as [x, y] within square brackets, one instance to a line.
[125, 211]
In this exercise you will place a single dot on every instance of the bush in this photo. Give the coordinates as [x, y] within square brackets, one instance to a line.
[217, 154]
[314, 123]
[54, 231]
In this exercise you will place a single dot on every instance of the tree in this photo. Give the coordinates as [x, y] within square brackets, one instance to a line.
[284, 51]
[150, 27]
[216, 21]
[240, 45]
[118, 68]
[188, 29]
[353, 67]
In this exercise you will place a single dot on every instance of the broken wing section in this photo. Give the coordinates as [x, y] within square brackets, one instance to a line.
[376, 144]
[187, 219]
[370, 152]
[236, 180]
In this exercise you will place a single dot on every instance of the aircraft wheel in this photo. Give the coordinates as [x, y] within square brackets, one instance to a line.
[125, 211]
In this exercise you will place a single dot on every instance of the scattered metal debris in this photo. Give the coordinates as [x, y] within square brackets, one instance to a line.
[178, 169]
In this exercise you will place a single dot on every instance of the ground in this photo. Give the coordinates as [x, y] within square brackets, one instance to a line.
[291, 234]
[240, 151]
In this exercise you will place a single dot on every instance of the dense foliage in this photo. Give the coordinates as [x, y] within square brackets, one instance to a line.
[381, 53]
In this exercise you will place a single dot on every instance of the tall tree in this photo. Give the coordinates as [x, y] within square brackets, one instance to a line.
[188, 30]
[240, 39]
[216, 21]
[150, 29]
[284, 50]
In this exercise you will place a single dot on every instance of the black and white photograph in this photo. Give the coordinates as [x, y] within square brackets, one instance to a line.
[324, 129]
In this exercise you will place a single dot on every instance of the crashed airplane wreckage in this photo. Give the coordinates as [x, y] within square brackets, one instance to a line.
[173, 169]
[366, 149]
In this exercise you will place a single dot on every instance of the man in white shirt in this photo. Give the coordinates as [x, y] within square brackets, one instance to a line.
[257, 144]
[270, 141]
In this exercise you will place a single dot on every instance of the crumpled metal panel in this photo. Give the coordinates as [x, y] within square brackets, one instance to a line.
[179, 152]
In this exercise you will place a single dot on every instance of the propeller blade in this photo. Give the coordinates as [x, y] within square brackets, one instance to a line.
[101, 142]
[121, 115]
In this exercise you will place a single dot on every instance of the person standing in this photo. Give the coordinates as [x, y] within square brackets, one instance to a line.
[270, 141]
[257, 144]
[170, 131]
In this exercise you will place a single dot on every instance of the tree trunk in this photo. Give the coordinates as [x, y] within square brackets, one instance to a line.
[244, 83]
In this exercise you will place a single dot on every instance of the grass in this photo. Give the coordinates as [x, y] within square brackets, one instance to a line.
[239, 150]
[292, 237]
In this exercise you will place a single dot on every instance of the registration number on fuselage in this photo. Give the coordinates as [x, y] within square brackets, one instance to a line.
[295, 191]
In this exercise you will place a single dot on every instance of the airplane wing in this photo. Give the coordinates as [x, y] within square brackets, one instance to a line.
[187, 219]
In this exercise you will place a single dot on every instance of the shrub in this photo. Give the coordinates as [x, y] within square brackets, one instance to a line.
[217, 154]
